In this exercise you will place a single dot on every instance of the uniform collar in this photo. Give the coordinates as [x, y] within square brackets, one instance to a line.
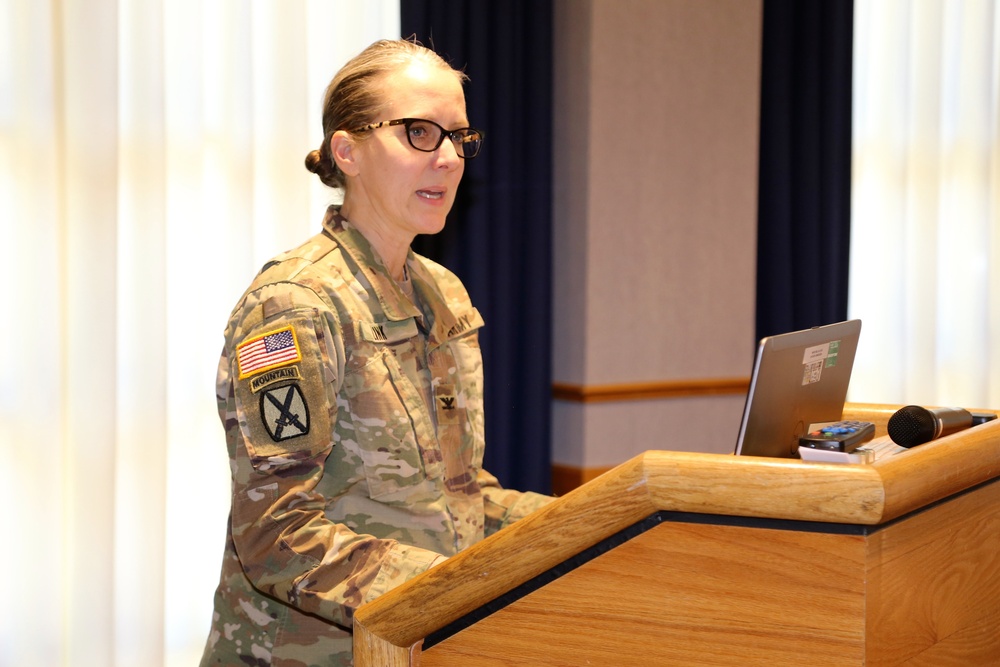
[447, 323]
[444, 322]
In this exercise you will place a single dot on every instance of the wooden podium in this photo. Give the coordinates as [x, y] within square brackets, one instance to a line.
[703, 559]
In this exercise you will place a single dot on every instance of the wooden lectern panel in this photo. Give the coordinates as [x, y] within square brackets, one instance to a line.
[923, 590]
[686, 594]
[934, 585]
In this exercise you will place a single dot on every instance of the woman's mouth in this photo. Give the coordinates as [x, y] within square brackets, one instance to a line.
[431, 194]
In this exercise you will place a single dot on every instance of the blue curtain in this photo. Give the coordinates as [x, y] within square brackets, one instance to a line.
[804, 204]
[499, 236]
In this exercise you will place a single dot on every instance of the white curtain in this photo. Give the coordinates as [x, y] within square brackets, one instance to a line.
[151, 158]
[925, 247]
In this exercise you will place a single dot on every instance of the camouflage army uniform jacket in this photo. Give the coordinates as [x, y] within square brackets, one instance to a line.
[354, 422]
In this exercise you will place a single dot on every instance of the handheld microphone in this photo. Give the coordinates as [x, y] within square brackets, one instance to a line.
[913, 425]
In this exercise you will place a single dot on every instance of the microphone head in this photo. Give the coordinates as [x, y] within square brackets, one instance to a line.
[912, 425]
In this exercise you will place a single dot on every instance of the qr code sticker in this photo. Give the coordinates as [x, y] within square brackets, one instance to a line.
[813, 372]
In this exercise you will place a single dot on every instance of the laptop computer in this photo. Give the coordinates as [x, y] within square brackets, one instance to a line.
[799, 378]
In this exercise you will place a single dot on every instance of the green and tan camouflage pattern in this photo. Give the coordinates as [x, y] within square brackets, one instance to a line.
[357, 465]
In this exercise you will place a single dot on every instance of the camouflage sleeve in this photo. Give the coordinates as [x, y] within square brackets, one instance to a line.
[283, 361]
[505, 506]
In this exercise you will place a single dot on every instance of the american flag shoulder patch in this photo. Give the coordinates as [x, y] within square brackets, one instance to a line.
[266, 351]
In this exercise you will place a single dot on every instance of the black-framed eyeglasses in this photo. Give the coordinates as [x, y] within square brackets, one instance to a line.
[426, 135]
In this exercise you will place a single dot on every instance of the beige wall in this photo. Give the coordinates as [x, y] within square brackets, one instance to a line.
[656, 128]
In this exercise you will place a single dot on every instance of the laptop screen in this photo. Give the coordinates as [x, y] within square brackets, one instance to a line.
[799, 378]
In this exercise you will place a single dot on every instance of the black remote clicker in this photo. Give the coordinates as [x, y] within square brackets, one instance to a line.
[841, 436]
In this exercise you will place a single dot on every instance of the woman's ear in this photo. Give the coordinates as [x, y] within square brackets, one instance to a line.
[344, 152]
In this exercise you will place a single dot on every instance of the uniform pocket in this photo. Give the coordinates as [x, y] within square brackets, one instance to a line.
[394, 435]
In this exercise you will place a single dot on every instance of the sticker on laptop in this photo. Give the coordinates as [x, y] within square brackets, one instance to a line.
[816, 358]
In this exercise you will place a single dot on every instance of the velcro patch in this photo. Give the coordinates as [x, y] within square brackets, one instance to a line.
[284, 412]
[266, 351]
[273, 376]
[447, 404]
[387, 332]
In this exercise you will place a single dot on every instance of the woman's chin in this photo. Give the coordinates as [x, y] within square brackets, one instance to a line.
[430, 224]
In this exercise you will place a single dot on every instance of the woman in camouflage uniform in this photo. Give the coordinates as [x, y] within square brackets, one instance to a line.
[351, 384]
